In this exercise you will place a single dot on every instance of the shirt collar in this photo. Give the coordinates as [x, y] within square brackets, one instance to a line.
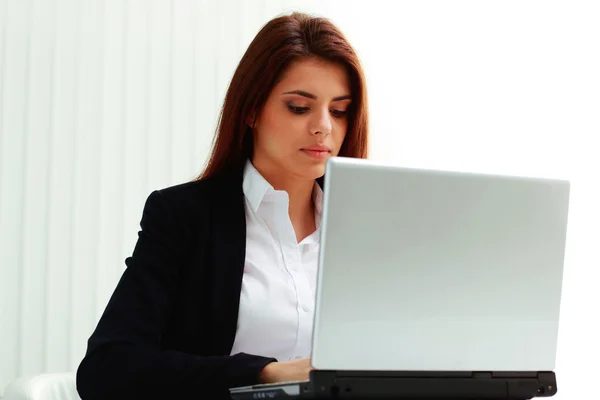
[256, 187]
[317, 196]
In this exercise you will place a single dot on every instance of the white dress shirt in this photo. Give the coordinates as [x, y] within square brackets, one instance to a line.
[278, 289]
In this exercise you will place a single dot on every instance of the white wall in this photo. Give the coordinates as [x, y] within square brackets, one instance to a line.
[102, 101]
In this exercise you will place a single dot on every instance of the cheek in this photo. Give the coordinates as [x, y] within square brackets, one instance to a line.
[282, 129]
[340, 131]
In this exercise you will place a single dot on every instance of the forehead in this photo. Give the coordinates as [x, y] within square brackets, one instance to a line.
[321, 78]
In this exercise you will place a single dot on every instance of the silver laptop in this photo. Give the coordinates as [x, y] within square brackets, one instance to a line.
[426, 272]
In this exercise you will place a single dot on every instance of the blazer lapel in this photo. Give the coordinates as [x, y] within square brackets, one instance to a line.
[228, 245]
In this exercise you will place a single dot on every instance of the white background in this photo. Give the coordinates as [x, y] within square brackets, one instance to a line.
[102, 101]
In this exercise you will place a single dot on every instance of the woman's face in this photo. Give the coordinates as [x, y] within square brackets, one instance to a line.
[304, 120]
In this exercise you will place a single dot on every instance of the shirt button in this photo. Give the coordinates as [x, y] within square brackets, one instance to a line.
[306, 309]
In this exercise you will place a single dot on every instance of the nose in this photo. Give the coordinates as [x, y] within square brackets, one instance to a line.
[321, 123]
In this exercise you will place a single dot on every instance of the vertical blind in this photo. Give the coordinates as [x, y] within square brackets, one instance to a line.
[101, 102]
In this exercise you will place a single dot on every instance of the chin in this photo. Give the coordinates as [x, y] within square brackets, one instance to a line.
[315, 171]
[310, 169]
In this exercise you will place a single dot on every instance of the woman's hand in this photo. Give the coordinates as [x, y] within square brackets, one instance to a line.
[296, 370]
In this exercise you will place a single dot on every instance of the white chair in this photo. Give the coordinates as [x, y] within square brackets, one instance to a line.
[48, 386]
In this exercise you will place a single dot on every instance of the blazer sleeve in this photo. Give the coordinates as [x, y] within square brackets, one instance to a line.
[124, 359]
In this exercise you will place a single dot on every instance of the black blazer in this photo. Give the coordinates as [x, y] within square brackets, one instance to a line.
[170, 324]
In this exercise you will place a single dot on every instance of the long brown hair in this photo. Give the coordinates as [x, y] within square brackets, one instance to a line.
[280, 42]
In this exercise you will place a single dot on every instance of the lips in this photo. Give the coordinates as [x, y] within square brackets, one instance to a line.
[317, 147]
[317, 151]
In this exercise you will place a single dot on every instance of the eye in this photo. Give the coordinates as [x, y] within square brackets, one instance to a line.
[297, 110]
[339, 113]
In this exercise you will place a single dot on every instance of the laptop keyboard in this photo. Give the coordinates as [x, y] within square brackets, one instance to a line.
[261, 385]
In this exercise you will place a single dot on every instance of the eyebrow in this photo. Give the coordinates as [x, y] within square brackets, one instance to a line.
[313, 97]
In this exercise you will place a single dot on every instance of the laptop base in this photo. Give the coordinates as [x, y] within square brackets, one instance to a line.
[425, 385]
[413, 386]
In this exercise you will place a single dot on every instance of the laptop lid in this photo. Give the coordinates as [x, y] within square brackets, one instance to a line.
[424, 270]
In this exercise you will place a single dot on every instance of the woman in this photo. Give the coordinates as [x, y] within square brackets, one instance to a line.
[219, 290]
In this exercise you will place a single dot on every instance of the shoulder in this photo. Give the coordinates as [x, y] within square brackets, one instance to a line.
[189, 194]
[196, 198]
